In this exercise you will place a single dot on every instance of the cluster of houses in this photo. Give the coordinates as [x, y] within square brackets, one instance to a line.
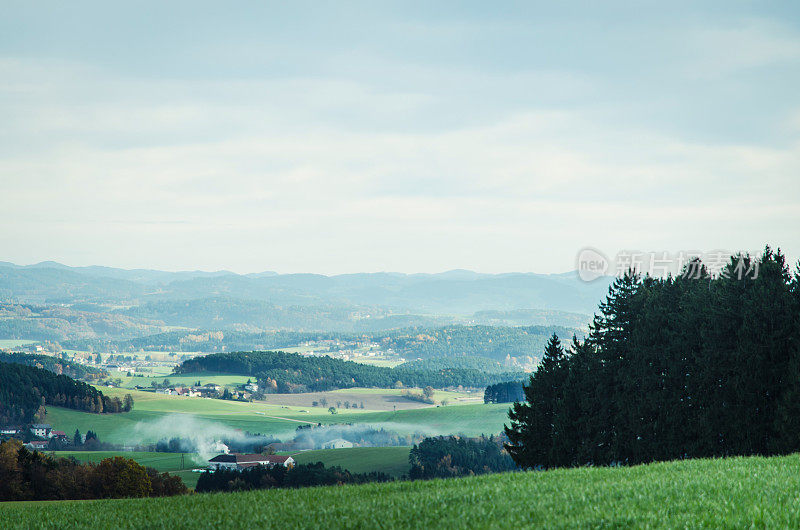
[242, 461]
[43, 431]
[210, 390]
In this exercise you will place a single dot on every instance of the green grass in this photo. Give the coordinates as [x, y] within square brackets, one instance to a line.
[390, 460]
[14, 343]
[185, 379]
[272, 419]
[169, 462]
[731, 493]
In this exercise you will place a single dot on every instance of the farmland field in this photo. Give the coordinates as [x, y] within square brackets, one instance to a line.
[14, 343]
[278, 420]
[184, 379]
[372, 398]
[390, 460]
[733, 492]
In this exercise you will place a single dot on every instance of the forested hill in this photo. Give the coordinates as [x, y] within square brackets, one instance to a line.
[58, 366]
[496, 343]
[453, 292]
[462, 361]
[289, 372]
[24, 389]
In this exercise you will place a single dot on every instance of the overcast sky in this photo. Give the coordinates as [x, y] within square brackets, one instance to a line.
[416, 137]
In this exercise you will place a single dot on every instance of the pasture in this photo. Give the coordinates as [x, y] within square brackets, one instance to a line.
[158, 415]
[184, 379]
[390, 460]
[15, 343]
[372, 398]
[729, 493]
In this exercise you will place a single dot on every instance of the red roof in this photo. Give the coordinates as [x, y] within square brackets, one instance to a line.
[249, 459]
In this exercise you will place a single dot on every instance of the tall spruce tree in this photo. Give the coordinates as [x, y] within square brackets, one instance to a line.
[531, 431]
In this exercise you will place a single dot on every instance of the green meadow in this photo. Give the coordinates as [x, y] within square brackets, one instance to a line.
[15, 343]
[729, 493]
[183, 379]
[390, 460]
[263, 418]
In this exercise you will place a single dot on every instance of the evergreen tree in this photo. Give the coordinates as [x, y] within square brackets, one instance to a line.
[689, 366]
[531, 430]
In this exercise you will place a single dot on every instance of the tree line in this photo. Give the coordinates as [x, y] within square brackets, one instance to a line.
[425, 342]
[456, 456]
[53, 364]
[688, 366]
[298, 476]
[506, 392]
[25, 390]
[35, 476]
[281, 372]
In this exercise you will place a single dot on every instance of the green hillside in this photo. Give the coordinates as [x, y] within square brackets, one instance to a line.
[734, 492]
[390, 460]
[274, 419]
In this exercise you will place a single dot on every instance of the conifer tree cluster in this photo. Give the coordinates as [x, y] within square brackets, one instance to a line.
[676, 367]
[24, 390]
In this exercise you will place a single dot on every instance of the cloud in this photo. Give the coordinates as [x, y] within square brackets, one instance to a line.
[367, 157]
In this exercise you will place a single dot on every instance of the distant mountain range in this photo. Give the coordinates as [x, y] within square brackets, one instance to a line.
[457, 292]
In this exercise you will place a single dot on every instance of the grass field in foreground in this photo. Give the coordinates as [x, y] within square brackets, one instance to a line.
[390, 460]
[735, 492]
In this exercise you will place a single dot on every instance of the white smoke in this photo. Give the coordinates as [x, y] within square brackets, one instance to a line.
[206, 436]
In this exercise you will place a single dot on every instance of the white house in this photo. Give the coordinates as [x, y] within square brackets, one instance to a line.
[338, 443]
[239, 461]
[42, 430]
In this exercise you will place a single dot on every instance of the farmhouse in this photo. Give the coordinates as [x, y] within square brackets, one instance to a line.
[338, 443]
[58, 435]
[239, 461]
[42, 430]
[36, 446]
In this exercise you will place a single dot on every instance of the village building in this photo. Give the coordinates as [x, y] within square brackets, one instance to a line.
[58, 435]
[42, 430]
[37, 446]
[338, 443]
[239, 461]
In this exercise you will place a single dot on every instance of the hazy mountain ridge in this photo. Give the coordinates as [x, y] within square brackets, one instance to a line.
[453, 292]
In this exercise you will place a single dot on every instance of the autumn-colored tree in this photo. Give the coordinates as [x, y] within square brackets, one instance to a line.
[122, 477]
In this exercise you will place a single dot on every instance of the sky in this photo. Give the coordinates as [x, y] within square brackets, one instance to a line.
[337, 137]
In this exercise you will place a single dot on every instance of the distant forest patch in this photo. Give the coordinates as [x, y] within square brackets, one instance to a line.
[25, 390]
[497, 343]
[282, 372]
